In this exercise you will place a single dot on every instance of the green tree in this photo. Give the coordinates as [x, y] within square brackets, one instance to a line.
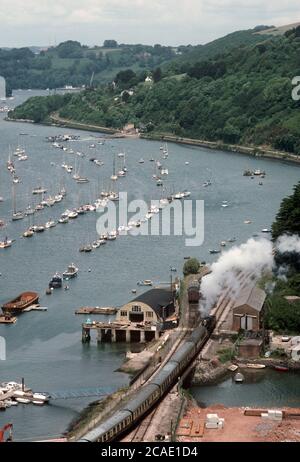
[288, 217]
[157, 74]
[191, 266]
[110, 44]
[282, 316]
[69, 49]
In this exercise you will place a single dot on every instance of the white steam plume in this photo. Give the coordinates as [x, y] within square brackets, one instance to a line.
[286, 243]
[253, 256]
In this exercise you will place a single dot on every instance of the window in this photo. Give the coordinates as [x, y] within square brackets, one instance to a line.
[136, 308]
[149, 314]
[123, 313]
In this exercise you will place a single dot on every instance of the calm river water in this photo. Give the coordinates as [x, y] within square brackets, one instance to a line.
[45, 347]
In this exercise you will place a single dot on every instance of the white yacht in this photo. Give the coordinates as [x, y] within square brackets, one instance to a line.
[70, 272]
[39, 190]
[73, 214]
[81, 179]
[50, 224]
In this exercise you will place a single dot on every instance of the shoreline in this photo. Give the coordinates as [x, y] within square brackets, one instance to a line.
[264, 152]
[208, 374]
[255, 151]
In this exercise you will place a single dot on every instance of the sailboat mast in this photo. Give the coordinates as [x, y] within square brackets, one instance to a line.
[14, 198]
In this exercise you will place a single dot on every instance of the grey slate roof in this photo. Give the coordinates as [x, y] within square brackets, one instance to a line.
[157, 299]
[252, 296]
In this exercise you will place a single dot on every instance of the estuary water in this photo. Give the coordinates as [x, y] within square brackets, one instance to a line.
[45, 347]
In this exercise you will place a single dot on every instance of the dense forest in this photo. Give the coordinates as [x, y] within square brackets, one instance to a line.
[281, 315]
[240, 96]
[71, 63]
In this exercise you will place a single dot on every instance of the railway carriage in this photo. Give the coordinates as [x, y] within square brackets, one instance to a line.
[149, 394]
[106, 431]
[166, 376]
[184, 354]
[143, 400]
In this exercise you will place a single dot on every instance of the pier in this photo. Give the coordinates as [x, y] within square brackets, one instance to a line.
[117, 332]
[96, 310]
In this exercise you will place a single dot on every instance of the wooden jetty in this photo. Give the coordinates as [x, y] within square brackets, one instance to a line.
[96, 310]
[35, 308]
[120, 332]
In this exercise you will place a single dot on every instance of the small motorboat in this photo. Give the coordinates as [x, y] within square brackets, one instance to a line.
[265, 230]
[41, 397]
[71, 271]
[23, 400]
[213, 251]
[141, 161]
[82, 180]
[87, 248]
[6, 243]
[11, 402]
[186, 193]
[146, 282]
[29, 211]
[50, 224]
[63, 220]
[281, 368]
[39, 190]
[38, 228]
[17, 216]
[56, 281]
[58, 198]
[112, 236]
[239, 378]
[256, 366]
[73, 214]
[28, 233]
[247, 222]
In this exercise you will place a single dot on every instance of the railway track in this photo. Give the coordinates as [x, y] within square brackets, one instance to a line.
[140, 432]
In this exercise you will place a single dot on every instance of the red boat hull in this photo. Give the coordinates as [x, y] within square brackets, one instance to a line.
[281, 368]
[21, 302]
